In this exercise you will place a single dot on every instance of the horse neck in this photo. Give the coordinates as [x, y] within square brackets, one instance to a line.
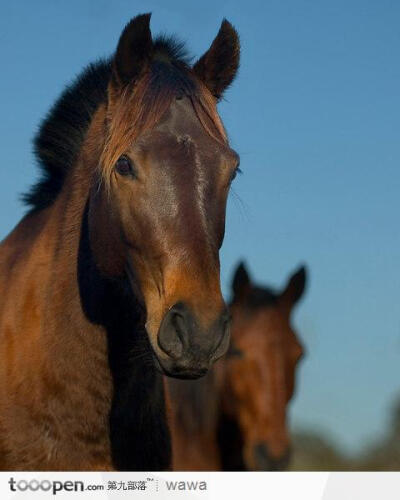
[139, 435]
[194, 404]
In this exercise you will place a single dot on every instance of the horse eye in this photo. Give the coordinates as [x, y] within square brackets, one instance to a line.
[235, 172]
[234, 352]
[124, 166]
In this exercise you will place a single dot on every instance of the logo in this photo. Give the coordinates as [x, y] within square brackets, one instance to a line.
[45, 485]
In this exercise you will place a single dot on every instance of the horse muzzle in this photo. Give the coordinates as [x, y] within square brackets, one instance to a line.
[265, 461]
[188, 350]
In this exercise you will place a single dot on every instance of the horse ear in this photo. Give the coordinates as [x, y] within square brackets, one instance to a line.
[295, 287]
[134, 50]
[218, 66]
[241, 281]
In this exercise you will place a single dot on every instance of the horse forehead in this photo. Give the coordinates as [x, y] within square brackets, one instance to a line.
[267, 328]
[271, 321]
[182, 123]
[181, 157]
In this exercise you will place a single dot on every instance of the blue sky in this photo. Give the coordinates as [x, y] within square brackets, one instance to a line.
[315, 115]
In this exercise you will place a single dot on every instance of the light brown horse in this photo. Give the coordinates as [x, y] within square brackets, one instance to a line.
[236, 417]
[112, 278]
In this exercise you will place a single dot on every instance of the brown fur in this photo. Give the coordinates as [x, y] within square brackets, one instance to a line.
[218, 422]
[79, 389]
[138, 108]
[56, 388]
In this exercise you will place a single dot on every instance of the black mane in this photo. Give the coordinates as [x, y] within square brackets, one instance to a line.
[261, 297]
[62, 132]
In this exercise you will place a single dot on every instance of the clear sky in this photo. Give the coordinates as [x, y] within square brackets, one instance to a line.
[315, 115]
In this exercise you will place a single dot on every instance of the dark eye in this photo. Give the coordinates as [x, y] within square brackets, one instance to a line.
[235, 172]
[124, 166]
[234, 352]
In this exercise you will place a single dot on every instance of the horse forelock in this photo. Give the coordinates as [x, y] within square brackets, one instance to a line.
[63, 131]
[139, 107]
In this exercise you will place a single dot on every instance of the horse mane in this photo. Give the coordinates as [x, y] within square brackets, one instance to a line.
[262, 297]
[61, 133]
[63, 130]
[259, 297]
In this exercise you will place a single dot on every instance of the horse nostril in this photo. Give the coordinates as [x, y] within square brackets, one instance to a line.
[265, 461]
[222, 336]
[261, 453]
[226, 322]
[178, 321]
[173, 333]
[181, 337]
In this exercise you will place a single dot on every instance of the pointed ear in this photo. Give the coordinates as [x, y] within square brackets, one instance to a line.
[240, 282]
[295, 287]
[134, 50]
[218, 66]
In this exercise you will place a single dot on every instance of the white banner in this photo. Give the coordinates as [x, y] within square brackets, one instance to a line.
[197, 485]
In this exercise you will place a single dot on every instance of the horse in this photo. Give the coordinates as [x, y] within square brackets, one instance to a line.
[236, 417]
[112, 277]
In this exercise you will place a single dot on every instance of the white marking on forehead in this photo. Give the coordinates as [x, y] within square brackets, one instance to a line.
[185, 139]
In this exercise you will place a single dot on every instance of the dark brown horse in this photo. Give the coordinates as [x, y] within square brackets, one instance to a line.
[112, 278]
[236, 417]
